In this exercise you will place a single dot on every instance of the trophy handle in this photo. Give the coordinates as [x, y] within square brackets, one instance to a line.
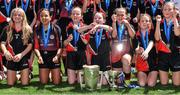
[81, 75]
[100, 82]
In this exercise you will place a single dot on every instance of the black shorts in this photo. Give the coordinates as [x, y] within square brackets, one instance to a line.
[47, 58]
[152, 60]
[18, 66]
[176, 61]
[117, 64]
[103, 60]
[76, 60]
[165, 62]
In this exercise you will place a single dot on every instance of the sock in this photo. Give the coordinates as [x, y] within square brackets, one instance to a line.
[127, 78]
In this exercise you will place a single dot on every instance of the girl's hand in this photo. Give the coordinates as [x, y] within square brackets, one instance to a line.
[94, 29]
[125, 22]
[56, 59]
[8, 56]
[40, 60]
[113, 17]
[70, 38]
[83, 39]
[158, 18]
[175, 15]
[135, 20]
[139, 50]
[92, 25]
[17, 57]
[144, 55]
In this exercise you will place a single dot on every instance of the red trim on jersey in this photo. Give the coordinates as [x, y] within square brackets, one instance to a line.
[141, 64]
[161, 46]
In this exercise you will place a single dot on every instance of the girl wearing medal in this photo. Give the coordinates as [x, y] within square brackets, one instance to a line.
[132, 11]
[48, 44]
[99, 41]
[16, 44]
[76, 58]
[64, 19]
[154, 8]
[51, 5]
[6, 7]
[146, 53]
[29, 9]
[91, 8]
[166, 36]
[121, 48]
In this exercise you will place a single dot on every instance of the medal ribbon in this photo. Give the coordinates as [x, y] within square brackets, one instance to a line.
[98, 37]
[46, 5]
[154, 8]
[129, 4]
[76, 35]
[107, 3]
[24, 7]
[144, 39]
[120, 32]
[167, 29]
[69, 5]
[8, 7]
[46, 35]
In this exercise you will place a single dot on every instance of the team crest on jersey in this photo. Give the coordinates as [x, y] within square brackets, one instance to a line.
[52, 37]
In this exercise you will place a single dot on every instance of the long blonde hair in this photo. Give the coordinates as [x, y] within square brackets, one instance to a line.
[26, 29]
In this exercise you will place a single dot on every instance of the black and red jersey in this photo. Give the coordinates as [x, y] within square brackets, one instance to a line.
[17, 42]
[80, 44]
[54, 41]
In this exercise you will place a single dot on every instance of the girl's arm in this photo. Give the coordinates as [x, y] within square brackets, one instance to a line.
[84, 28]
[85, 2]
[38, 54]
[28, 49]
[68, 40]
[19, 56]
[149, 47]
[34, 20]
[130, 29]
[146, 52]
[105, 27]
[157, 31]
[114, 32]
[176, 24]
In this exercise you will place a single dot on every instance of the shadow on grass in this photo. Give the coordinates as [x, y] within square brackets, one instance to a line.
[174, 90]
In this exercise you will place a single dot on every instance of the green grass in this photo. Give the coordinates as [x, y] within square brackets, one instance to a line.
[36, 88]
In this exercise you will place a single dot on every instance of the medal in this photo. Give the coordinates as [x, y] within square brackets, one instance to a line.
[45, 52]
[52, 37]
